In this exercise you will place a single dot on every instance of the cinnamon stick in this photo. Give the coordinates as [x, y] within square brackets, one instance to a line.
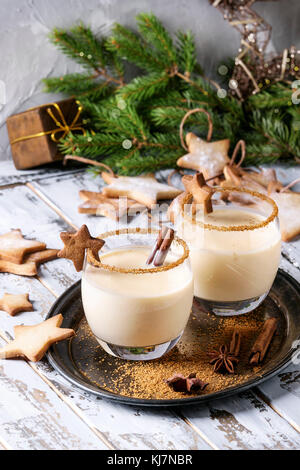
[164, 248]
[157, 245]
[161, 247]
[263, 341]
[235, 343]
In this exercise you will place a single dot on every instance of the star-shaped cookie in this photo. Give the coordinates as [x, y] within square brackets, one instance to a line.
[77, 243]
[288, 203]
[113, 208]
[30, 263]
[15, 303]
[264, 177]
[32, 342]
[236, 177]
[256, 181]
[144, 189]
[13, 246]
[202, 193]
[208, 158]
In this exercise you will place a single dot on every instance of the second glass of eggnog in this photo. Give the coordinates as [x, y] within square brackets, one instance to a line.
[234, 250]
[137, 311]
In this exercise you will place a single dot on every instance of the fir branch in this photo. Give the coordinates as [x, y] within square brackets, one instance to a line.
[169, 116]
[274, 129]
[114, 116]
[139, 163]
[78, 85]
[155, 34]
[92, 47]
[81, 45]
[93, 146]
[97, 49]
[186, 52]
[278, 95]
[129, 46]
[136, 125]
[74, 47]
[144, 87]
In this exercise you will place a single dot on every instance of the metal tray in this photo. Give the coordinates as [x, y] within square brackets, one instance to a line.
[76, 359]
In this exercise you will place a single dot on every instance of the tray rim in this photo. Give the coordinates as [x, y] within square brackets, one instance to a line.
[175, 402]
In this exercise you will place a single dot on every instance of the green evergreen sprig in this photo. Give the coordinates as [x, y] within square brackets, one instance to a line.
[135, 121]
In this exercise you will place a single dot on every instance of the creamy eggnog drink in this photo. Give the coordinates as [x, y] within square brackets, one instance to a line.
[234, 252]
[137, 311]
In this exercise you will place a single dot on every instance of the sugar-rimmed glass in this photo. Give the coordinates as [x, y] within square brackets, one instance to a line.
[135, 311]
[234, 251]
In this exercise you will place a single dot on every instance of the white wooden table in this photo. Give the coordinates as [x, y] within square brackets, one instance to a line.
[39, 409]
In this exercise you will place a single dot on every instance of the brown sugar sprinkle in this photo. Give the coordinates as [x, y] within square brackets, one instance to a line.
[146, 379]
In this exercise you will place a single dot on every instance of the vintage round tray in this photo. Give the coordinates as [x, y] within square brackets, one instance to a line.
[84, 363]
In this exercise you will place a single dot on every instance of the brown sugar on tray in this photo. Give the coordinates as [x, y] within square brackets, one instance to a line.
[146, 379]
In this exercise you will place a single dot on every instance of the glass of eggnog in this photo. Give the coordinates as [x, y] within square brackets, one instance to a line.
[234, 250]
[137, 311]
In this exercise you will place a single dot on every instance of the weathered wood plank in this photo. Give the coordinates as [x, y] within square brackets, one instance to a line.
[53, 192]
[243, 422]
[33, 417]
[9, 174]
[70, 186]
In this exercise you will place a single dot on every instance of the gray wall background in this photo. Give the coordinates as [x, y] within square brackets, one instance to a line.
[27, 56]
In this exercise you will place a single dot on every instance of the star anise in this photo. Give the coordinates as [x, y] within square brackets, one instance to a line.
[226, 359]
[188, 384]
[223, 360]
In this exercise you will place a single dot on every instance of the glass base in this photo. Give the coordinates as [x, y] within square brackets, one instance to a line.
[227, 309]
[143, 353]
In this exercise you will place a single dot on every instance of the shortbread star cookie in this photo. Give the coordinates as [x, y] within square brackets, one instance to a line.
[288, 203]
[202, 193]
[143, 189]
[264, 177]
[113, 208]
[13, 246]
[77, 243]
[32, 342]
[208, 158]
[235, 177]
[15, 303]
[30, 263]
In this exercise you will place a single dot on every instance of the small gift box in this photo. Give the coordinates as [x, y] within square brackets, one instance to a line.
[35, 133]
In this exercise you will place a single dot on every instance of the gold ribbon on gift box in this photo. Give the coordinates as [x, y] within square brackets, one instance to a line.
[61, 123]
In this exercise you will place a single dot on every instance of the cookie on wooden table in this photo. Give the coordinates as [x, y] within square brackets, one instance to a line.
[15, 303]
[143, 189]
[14, 247]
[32, 342]
[113, 208]
[30, 263]
[288, 203]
